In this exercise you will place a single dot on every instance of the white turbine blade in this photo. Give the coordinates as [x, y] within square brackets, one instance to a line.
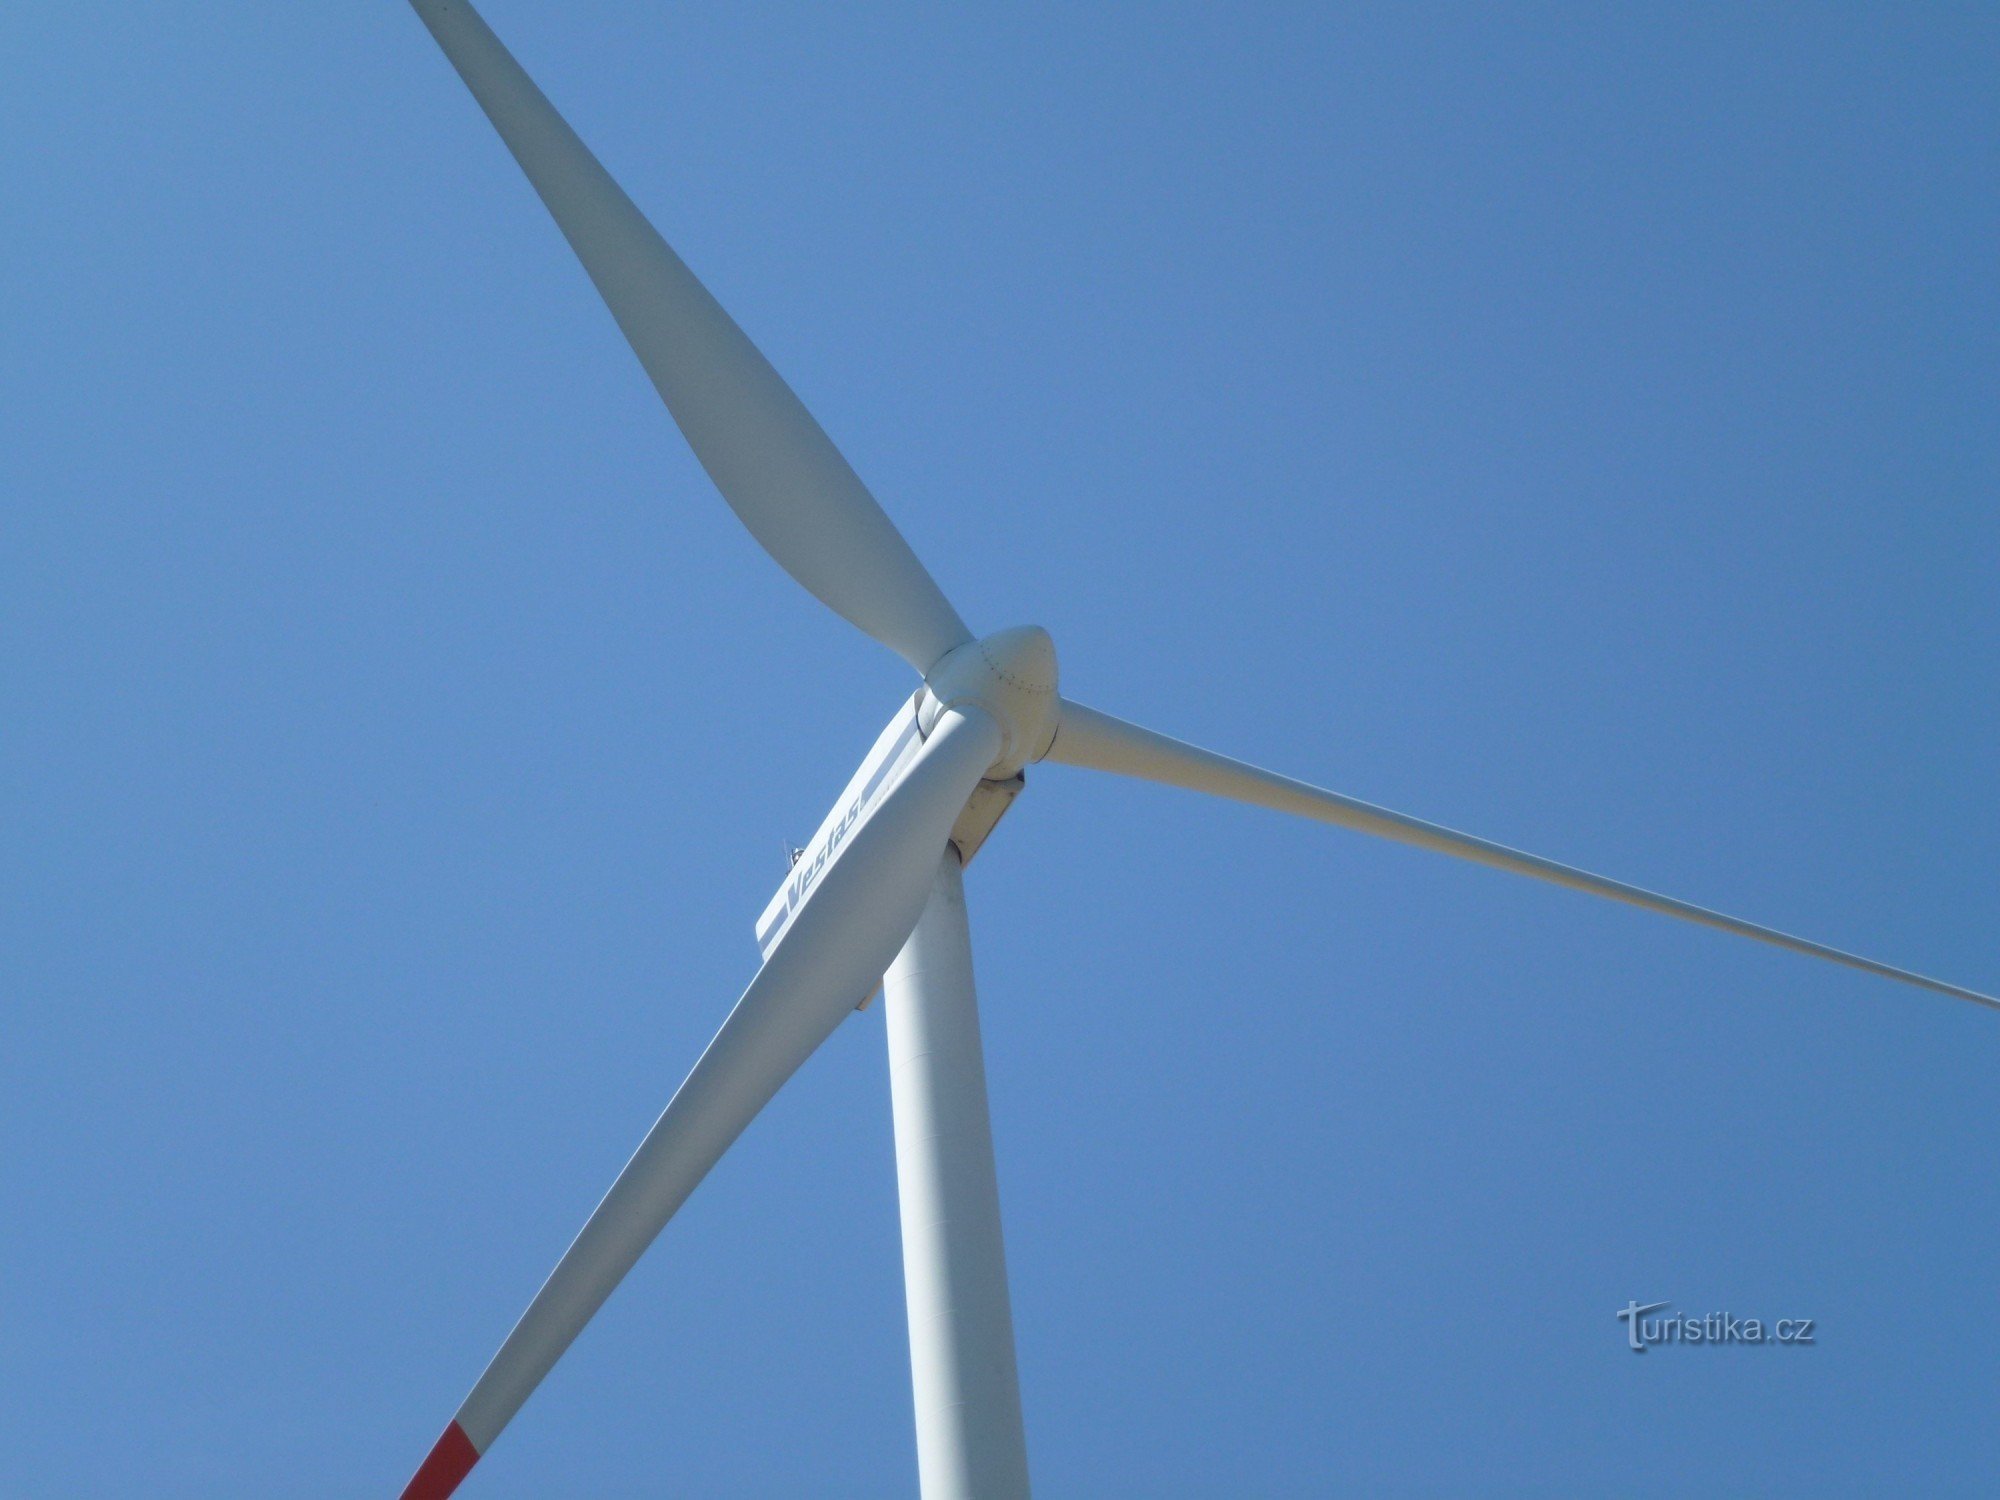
[834, 956]
[774, 465]
[1100, 742]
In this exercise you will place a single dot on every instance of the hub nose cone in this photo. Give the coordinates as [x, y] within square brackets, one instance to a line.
[1011, 674]
[1024, 656]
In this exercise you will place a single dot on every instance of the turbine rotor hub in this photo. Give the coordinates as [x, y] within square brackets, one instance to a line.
[1011, 674]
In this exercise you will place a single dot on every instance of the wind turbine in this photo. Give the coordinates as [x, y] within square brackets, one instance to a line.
[875, 900]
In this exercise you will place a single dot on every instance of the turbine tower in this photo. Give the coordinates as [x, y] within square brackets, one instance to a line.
[876, 899]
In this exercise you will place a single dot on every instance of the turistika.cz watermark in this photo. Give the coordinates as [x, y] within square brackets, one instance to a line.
[1643, 1333]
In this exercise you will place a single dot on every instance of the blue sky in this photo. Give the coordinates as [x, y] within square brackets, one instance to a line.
[1575, 425]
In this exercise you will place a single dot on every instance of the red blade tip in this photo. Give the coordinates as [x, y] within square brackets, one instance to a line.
[450, 1461]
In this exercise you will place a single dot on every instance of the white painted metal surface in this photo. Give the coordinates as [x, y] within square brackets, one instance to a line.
[1012, 675]
[970, 1442]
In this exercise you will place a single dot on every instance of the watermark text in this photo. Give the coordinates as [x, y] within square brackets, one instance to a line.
[1648, 1325]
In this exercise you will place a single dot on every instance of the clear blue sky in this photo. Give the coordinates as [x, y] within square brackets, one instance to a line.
[1574, 425]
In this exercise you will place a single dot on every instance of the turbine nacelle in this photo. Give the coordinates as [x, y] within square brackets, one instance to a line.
[1011, 674]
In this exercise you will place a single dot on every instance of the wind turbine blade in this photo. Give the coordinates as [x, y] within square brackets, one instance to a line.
[832, 958]
[1096, 740]
[774, 465]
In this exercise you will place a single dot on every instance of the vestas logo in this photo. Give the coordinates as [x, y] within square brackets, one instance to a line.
[813, 865]
[814, 862]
